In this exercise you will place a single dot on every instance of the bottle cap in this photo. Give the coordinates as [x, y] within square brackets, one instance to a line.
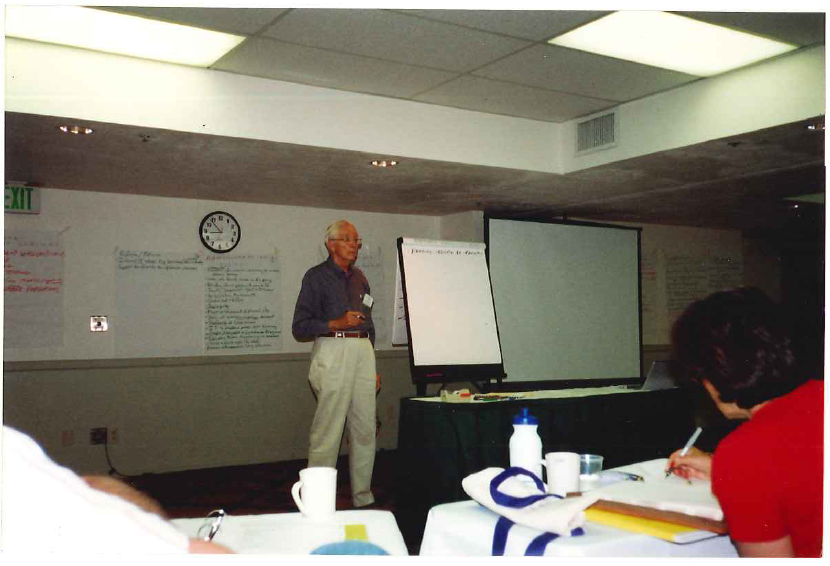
[525, 418]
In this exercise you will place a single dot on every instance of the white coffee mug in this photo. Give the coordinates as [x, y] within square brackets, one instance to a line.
[316, 492]
[563, 472]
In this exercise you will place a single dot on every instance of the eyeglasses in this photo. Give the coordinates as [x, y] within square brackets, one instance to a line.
[212, 523]
[359, 241]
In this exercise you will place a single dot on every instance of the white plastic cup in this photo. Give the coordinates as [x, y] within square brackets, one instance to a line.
[316, 491]
[590, 466]
[563, 472]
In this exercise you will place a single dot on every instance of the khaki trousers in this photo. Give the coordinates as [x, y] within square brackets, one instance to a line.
[342, 376]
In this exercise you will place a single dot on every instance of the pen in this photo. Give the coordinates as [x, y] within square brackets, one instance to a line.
[689, 444]
[631, 476]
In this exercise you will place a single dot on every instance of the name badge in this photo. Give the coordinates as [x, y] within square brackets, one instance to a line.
[368, 300]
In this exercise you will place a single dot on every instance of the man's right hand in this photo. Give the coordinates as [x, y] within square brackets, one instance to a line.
[695, 464]
[348, 320]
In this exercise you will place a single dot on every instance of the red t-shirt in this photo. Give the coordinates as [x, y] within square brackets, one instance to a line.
[768, 473]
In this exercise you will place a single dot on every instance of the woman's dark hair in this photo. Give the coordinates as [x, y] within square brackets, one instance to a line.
[735, 339]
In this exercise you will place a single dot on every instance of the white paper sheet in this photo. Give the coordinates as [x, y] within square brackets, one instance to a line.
[671, 493]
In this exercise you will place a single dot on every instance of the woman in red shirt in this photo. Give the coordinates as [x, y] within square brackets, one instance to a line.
[768, 473]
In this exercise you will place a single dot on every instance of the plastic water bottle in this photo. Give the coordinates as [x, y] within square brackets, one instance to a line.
[525, 444]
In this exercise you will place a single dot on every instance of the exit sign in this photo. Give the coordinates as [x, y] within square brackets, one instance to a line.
[21, 199]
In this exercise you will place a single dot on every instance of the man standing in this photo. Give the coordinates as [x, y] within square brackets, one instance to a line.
[334, 308]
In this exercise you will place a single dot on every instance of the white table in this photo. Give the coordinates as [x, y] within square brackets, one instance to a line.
[466, 528]
[291, 533]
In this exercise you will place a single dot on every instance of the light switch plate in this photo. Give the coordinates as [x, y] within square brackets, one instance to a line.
[98, 324]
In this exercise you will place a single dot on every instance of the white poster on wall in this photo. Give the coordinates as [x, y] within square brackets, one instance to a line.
[370, 261]
[243, 308]
[159, 298]
[33, 289]
[399, 334]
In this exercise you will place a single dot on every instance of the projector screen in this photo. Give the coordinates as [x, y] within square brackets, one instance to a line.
[567, 300]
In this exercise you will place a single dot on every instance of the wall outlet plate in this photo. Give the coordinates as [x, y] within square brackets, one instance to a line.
[98, 324]
[98, 435]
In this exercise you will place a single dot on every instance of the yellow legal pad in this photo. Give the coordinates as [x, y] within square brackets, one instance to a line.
[356, 532]
[660, 529]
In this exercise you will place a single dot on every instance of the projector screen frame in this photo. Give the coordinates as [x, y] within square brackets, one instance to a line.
[633, 381]
[480, 375]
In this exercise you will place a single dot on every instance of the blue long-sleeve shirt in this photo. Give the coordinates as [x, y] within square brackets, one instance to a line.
[327, 292]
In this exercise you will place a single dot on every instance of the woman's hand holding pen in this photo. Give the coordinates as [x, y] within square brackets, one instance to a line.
[695, 464]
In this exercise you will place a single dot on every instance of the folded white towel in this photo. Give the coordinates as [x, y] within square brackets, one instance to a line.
[551, 514]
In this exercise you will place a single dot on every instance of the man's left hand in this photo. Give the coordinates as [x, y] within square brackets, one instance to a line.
[377, 383]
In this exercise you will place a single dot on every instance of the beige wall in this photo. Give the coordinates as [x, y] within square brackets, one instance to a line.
[179, 414]
[205, 411]
[185, 412]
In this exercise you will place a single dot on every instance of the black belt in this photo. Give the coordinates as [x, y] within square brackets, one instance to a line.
[341, 334]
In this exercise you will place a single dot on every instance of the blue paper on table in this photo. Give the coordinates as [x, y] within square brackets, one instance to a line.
[352, 547]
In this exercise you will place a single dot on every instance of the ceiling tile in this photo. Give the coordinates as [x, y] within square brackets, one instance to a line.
[555, 68]
[294, 63]
[536, 25]
[498, 97]
[393, 37]
[244, 21]
[800, 28]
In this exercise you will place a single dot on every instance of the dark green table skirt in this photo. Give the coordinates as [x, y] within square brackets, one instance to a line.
[439, 444]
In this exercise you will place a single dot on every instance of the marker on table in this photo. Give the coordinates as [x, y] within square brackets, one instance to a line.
[633, 477]
[689, 444]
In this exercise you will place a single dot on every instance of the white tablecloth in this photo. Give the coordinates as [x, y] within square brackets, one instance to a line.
[466, 528]
[291, 533]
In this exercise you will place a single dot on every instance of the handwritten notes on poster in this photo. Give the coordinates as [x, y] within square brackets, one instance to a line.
[242, 308]
[689, 278]
[670, 282]
[158, 304]
[33, 289]
[184, 304]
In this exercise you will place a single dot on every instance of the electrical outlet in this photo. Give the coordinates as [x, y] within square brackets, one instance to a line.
[98, 435]
[113, 435]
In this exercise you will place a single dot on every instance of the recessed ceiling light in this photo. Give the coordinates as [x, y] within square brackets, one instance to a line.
[384, 163]
[75, 130]
[670, 41]
[110, 32]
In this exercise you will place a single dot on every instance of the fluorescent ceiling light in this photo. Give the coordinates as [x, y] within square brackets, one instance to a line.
[118, 33]
[814, 198]
[669, 41]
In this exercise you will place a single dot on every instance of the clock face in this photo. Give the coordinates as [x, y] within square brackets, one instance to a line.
[220, 232]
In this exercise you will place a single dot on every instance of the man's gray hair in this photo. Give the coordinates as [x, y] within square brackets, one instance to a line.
[333, 231]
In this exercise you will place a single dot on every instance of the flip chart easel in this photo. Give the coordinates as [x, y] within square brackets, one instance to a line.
[451, 327]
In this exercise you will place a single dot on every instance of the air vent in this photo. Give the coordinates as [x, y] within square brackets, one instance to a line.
[596, 133]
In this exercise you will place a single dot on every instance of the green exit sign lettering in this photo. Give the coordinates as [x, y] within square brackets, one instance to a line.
[21, 199]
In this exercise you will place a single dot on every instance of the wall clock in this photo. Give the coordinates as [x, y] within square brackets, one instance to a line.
[220, 232]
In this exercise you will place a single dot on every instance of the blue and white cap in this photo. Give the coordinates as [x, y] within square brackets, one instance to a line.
[525, 418]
